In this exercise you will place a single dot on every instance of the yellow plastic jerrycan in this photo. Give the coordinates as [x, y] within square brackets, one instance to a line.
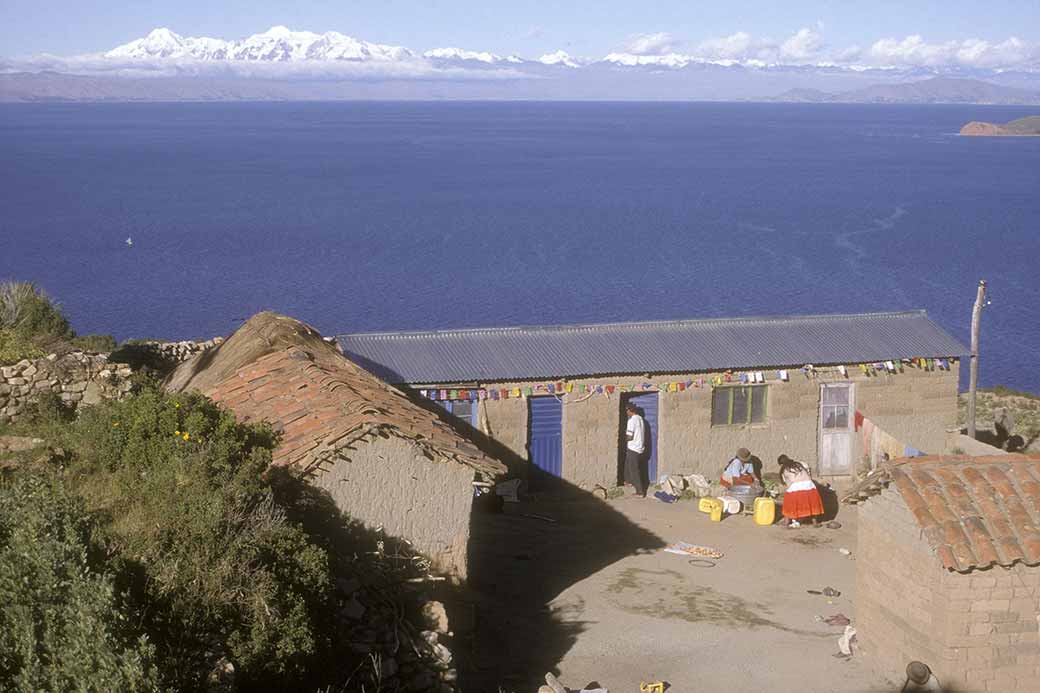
[713, 506]
[765, 511]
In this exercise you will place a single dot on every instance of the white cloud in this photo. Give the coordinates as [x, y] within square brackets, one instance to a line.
[660, 43]
[914, 51]
[803, 46]
[733, 47]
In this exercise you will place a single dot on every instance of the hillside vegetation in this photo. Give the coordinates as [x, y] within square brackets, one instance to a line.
[1030, 125]
[33, 325]
[1023, 407]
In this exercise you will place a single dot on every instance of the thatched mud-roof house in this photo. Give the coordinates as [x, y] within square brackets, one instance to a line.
[385, 460]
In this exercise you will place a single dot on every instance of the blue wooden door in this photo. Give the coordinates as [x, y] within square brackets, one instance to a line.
[545, 434]
[647, 403]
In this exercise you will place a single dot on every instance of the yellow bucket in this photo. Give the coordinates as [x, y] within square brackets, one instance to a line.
[765, 511]
[713, 506]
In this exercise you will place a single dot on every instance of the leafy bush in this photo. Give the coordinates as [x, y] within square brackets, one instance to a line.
[33, 325]
[62, 626]
[203, 548]
[96, 343]
[14, 347]
[30, 313]
[48, 410]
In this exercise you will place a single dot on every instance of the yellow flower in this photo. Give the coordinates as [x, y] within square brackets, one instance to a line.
[186, 436]
[176, 433]
[177, 405]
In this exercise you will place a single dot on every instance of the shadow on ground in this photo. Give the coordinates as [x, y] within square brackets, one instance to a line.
[519, 561]
[521, 556]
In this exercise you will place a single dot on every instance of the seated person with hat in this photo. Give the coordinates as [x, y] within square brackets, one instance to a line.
[740, 471]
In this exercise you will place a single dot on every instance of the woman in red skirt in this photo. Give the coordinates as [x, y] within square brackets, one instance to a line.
[801, 499]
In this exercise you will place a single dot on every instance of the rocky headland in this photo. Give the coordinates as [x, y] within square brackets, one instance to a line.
[1023, 127]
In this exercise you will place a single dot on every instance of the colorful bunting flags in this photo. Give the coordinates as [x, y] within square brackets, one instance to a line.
[745, 377]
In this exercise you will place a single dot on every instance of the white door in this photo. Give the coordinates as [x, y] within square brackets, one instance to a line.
[836, 422]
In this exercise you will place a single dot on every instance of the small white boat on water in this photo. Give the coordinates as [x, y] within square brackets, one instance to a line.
[129, 242]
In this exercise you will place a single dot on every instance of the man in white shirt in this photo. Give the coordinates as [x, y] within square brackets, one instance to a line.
[636, 446]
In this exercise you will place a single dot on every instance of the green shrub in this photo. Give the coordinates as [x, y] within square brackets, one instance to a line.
[62, 627]
[14, 348]
[95, 343]
[33, 325]
[204, 549]
[30, 313]
[48, 410]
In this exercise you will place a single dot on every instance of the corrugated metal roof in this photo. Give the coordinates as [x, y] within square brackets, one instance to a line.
[679, 346]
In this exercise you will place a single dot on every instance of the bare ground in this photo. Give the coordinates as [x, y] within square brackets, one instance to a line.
[594, 598]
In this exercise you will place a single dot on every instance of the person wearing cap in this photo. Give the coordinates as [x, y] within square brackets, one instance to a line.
[634, 449]
[919, 677]
[740, 471]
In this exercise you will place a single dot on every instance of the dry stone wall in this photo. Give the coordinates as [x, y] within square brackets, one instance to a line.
[82, 378]
[174, 351]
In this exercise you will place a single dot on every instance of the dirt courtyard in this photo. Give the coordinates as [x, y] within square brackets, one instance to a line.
[594, 598]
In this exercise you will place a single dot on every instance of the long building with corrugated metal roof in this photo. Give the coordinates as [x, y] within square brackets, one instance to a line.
[554, 395]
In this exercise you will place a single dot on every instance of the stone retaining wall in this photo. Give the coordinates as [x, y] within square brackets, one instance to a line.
[80, 377]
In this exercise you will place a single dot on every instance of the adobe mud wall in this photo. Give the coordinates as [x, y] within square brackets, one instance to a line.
[389, 483]
[916, 406]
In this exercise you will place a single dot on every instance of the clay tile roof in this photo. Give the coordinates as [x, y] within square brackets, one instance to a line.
[975, 512]
[278, 370]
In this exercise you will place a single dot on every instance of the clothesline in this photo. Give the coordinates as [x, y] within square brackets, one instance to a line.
[565, 390]
[879, 443]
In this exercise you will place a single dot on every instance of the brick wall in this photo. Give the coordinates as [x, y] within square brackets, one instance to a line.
[916, 406]
[991, 629]
[977, 631]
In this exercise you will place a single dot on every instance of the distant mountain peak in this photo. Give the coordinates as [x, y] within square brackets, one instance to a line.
[451, 53]
[932, 90]
[279, 31]
[560, 57]
[277, 44]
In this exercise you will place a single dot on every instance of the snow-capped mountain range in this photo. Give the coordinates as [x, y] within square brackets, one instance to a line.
[283, 64]
[282, 45]
[278, 44]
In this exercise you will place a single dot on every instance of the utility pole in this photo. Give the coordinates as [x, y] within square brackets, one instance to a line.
[973, 378]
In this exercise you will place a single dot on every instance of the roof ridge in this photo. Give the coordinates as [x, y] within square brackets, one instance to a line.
[630, 324]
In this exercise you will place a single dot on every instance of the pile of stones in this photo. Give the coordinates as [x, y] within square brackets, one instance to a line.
[399, 654]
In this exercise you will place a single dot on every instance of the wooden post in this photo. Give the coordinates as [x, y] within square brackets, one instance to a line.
[973, 378]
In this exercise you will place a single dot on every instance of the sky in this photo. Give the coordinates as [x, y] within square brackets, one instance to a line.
[531, 27]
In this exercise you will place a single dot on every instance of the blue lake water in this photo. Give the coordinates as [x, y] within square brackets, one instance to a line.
[385, 216]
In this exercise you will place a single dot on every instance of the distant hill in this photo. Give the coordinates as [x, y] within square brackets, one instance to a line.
[1028, 127]
[936, 90]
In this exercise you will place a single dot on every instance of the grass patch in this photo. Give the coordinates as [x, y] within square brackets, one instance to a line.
[1023, 407]
[32, 325]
